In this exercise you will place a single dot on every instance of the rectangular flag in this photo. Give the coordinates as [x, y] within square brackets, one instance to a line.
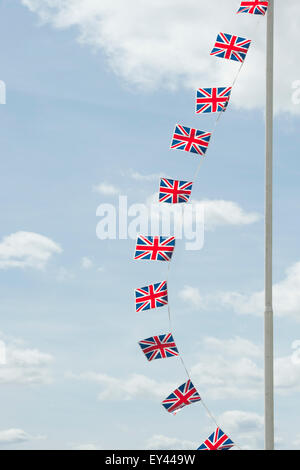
[154, 248]
[212, 100]
[184, 395]
[255, 7]
[174, 191]
[159, 347]
[231, 47]
[153, 296]
[190, 140]
[217, 441]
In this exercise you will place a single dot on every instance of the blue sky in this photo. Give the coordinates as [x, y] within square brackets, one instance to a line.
[75, 377]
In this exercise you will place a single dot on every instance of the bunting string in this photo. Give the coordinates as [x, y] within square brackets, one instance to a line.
[208, 411]
[161, 248]
[220, 114]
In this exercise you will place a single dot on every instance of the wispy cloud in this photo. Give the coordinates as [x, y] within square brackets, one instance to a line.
[86, 263]
[86, 447]
[135, 386]
[226, 369]
[161, 442]
[216, 212]
[152, 44]
[64, 275]
[27, 250]
[106, 189]
[247, 427]
[135, 175]
[24, 365]
[286, 294]
[16, 436]
[220, 213]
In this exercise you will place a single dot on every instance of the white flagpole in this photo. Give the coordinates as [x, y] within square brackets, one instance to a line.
[268, 317]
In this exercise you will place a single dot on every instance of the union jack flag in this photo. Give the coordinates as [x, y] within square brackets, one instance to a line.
[190, 140]
[184, 395]
[153, 296]
[154, 248]
[174, 191]
[231, 47]
[212, 100]
[255, 7]
[217, 441]
[159, 347]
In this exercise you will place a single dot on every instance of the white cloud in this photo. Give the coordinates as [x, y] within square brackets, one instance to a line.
[186, 221]
[106, 188]
[14, 436]
[86, 263]
[234, 346]
[160, 442]
[135, 386]
[64, 275]
[286, 297]
[296, 442]
[219, 213]
[246, 427]
[23, 365]
[26, 250]
[192, 295]
[135, 175]
[207, 214]
[287, 373]
[28, 357]
[86, 447]
[228, 368]
[167, 44]
[216, 213]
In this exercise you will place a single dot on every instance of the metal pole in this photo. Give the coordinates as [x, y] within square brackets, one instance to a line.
[268, 318]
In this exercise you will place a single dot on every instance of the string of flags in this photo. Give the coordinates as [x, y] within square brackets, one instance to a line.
[161, 248]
